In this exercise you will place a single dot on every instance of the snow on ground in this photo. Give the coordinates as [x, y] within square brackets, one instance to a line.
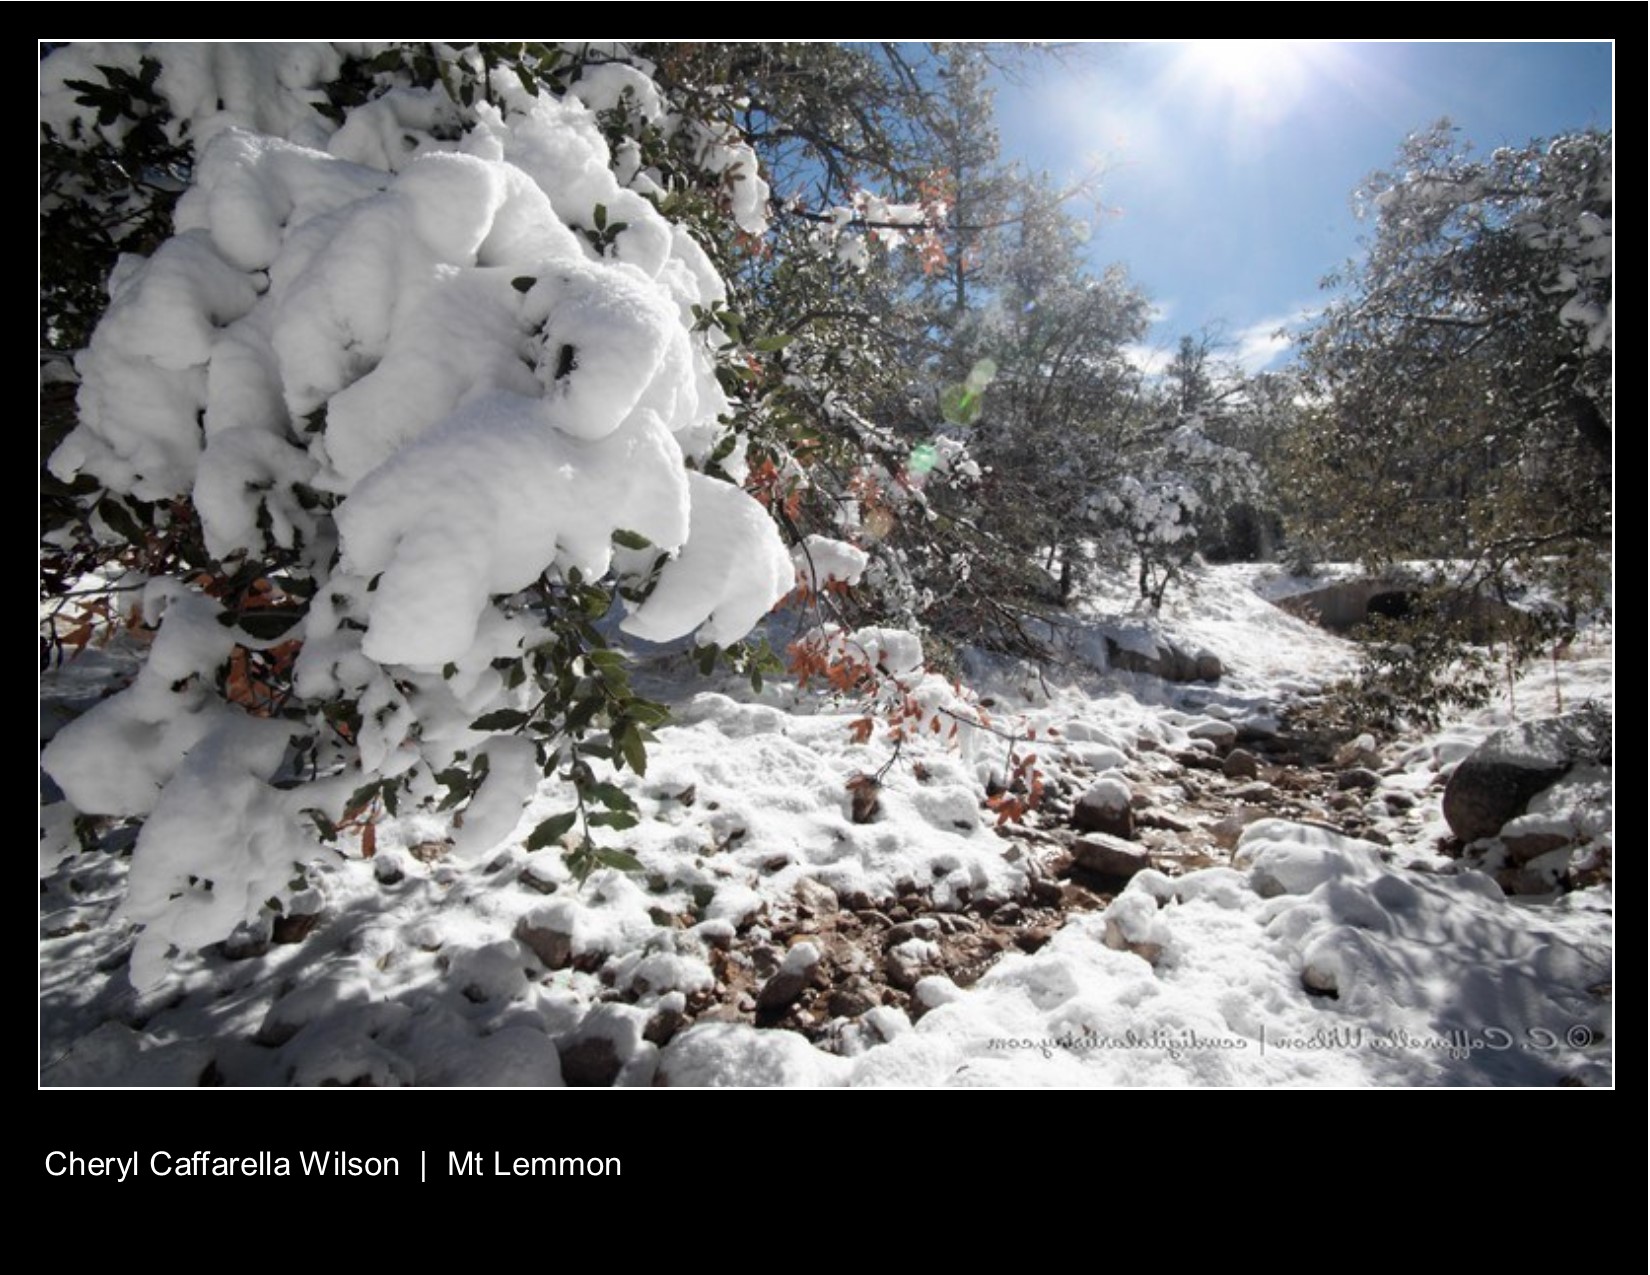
[1301, 955]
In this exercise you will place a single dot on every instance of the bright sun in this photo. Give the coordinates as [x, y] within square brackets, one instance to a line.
[1258, 78]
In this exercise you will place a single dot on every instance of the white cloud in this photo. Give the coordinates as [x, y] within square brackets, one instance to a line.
[1150, 359]
[1259, 345]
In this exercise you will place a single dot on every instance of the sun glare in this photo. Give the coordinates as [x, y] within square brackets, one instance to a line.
[1261, 79]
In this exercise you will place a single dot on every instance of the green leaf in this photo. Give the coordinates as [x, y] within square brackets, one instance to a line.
[599, 217]
[618, 820]
[633, 749]
[724, 449]
[707, 660]
[769, 344]
[362, 797]
[647, 713]
[610, 795]
[323, 825]
[618, 859]
[552, 830]
[582, 714]
[631, 539]
[500, 719]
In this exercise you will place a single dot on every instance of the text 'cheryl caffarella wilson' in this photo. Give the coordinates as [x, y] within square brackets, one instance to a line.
[200, 1164]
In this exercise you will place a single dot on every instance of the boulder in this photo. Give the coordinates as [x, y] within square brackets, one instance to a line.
[1106, 807]
[1167, 661]
[1496, 781]
[1110, 856]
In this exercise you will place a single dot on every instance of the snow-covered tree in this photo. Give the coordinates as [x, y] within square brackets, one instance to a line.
[1462, 378]
[417, 390]
[1459, 407]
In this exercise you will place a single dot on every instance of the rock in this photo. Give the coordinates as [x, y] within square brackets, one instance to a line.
[1192, 759]
[815, 897]
[1032, 940]
[1044, 891]
[388, 869]
[1258, 790]
[780, 990]
[765, 960]
[1118, 941]
[1531, 842]
[1226, 831]
[1496, 781]
[1530, 879]
[905, 964]
[1110, 856]
[1358, 752]
[667, 1020]
[791, 979]
[538, 876]
[589, 1061]
[1167, 661]
[1358, 777]
[1105, 808]
[1221, 734]
[1008, 914]
[1240, 763]
[250, 939]
[429, 851]
[1319, 982]
[492, 972]
[1162, 819]
[853, 998]
[549, 935]
[923, 927]
[294, 927]
[1077, 898]
[1398, 802]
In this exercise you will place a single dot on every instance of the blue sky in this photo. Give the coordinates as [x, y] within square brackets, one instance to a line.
[1228, 166]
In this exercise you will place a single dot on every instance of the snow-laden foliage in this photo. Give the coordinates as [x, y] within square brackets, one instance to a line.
[1461, 405]
[412, 390]
[1180, 490]
[1463, 375]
